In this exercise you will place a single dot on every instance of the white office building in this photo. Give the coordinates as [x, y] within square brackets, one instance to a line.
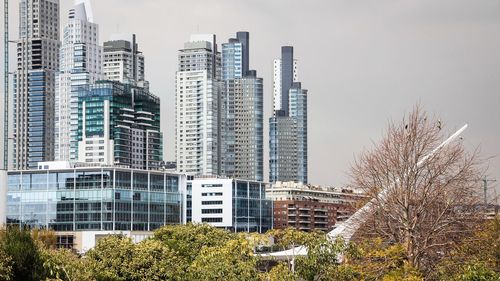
[80, 64]
[232, 204]
[198, 137]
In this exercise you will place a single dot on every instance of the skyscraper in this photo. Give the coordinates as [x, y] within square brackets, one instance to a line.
[80, 64]
[119, 124]
[34, 82]
[123, 62]
[288, 126]
[198, 115]
[242, 112]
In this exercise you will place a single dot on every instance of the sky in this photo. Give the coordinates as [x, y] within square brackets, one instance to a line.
[363, 62]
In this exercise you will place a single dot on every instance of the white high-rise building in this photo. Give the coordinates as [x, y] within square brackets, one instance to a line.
[198, 130]
[123, 62]
[277, 81]
[80, 64]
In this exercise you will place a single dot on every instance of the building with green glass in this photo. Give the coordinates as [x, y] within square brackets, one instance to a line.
[119, 124]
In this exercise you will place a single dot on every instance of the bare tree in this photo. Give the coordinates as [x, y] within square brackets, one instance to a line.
[428, 206]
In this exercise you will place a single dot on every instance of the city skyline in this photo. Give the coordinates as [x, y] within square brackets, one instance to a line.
[441, 55]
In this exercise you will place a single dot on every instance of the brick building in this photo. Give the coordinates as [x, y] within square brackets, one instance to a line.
[310, 207]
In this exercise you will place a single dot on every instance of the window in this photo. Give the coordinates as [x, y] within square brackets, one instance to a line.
[219, 202]
[211, 211]
[211, 219]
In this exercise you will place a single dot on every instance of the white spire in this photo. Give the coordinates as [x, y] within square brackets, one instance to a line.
[83, 10]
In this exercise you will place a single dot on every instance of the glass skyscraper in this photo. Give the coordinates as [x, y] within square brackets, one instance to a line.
[242, 112]
[288, 159]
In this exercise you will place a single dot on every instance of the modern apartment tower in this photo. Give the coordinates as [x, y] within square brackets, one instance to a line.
[123, 62]
[242, 112]
[288, 126]
[34, 82]
[80, 64]
[119, 124]
[198, 115]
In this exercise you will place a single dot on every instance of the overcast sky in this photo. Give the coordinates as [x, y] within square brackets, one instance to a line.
[363, 62]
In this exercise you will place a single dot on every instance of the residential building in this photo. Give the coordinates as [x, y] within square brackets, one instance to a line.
[288, 159]
[83, 204]
[198, 115]
[80, 64]
[242, 112]
[310, 207]
[119, 124]
[232, 204]
[34, 82]
[123, 62]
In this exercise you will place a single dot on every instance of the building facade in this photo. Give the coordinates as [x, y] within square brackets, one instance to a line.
[310, 207]
[232, 204]
[288, 151]
[88, 202]
[277, 81]
[242, 112]
[119, 124]
[198, 115]
[123, 62]
[80, 64]
[34, 82]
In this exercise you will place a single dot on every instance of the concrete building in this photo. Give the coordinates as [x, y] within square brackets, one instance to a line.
[83, 204]
[242, 112]
[232, 204]
[310, 207]
[198, 121]
[288, 160]
[80, 64]
[119, 124]
[123, 62]
[34, 82]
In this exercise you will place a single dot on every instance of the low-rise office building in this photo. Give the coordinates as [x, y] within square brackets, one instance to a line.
[83, 204]
[232, 204]
[310, 207]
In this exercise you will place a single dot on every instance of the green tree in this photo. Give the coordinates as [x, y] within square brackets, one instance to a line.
[63, 264]
[476, 258]
[188, 240]
[321, 261]
[5, 266]
[110, 258]
[375, 260]
[279, 272]
[233, 261]
[153, 260]
[18, 244]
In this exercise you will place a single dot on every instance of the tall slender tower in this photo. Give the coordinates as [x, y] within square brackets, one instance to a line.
[288, 126]
[34, 82]
[242, 112]
[80, 64]
[198, 117]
